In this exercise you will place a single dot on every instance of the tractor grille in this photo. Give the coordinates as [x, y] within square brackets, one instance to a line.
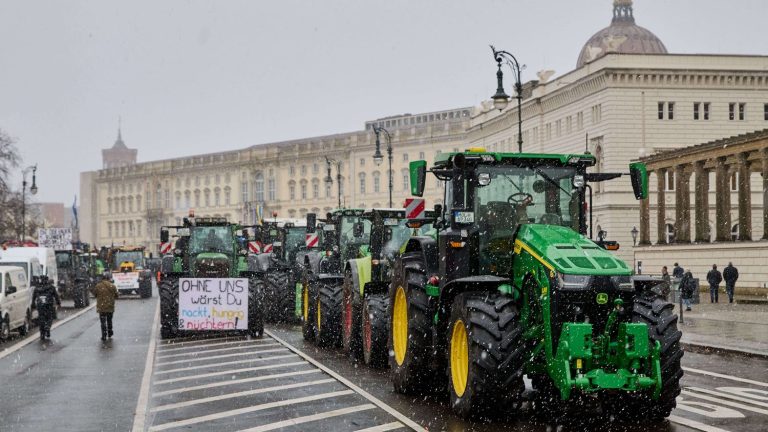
[216, 268]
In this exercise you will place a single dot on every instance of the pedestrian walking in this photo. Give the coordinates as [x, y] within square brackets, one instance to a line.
[105, 293]
[45, 299]
[687, 286]
[677, 271]
[731, 275]
[666, 287]
[714, 278]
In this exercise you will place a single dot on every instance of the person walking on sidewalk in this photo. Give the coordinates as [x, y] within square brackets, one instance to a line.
[667, 283]
[105, 293]
[731, 275]
[714, 278]
[677, 271]
[687, 285]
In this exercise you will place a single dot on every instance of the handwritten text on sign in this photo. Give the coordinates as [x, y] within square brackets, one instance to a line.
[213, 304]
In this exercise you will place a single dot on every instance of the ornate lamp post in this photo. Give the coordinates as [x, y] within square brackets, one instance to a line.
[634, 233]
[378, 158]
[501, 99]
[32, 190]
[329, 179]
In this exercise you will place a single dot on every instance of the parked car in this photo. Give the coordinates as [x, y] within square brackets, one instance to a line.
[15, 301]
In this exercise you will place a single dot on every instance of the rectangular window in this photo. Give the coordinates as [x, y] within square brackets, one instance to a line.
[558, 127]
[706, 110]
[243, 192]
[406, 181]
[227, 198]
[670, 180]
[696, 106]
[661, 110]
[303, 191]
[303, 170]
[421, 154]
[292, 192]
[271, 189]
[376, 184]
[742, 110]
[765, 112]
[580, 120]
[670, 110]
[362, 185]
[362, 161]
[327, 190]
[315, 190]
[731, 111]
[548, 131]
[109, 229]
[568, 124]
[405, 157]
[292, 170]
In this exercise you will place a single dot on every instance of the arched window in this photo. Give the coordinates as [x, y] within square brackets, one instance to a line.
[258, 188]
[207, 194]
[138, 202]
[227, 196]
[292, 190]
[670, 233]
[304, 190]
[197, 197]
[362, 183]
[217, 197]
[376, 182]
[109, 206]
[315, 188]
[187, 199]
[271, 189]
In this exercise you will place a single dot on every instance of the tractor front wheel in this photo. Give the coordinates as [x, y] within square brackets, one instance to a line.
[350, 318]
[374, 330]
[256, 308]
[328, 314]
[169, 307]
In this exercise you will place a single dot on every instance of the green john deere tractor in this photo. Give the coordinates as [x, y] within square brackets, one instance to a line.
[510, 285]
[207, 248]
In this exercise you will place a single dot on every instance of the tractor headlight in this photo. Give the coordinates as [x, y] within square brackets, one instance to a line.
[578, 181]
[623, 283]
[574, 282]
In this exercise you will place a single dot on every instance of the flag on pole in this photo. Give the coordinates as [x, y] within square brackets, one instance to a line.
[74, 212]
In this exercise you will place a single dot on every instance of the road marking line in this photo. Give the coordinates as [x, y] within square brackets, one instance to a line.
[397, 414]
[140, 415]
[725, 402]
[199, 359]
[240, 394]
[189, 340]
[33, 336]
[215, 350]
[250, 409]
[310, 418]
[166, 350]
[694, 424]
[727, 395]
[206, 366]
[382, 428]
[719, 375]
[240, 381]
[233, 371]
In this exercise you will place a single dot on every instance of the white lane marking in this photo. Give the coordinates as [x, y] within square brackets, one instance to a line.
[207, 366]
[725, 402]
[233, 382]
[310, 418]
[397, 414]
[140, 415]
[727, 396]
[694, 424]
[719, 375]
[233, 371]
[240, 394]
[190, 340]
[33, 336]
[382, 428]
[199, 359]
[207, 351]
[232, 413]
[247, 342]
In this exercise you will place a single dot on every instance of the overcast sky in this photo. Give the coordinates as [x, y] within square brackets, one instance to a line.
[191, 77]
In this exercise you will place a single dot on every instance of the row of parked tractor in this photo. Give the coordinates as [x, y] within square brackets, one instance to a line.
[501, 282]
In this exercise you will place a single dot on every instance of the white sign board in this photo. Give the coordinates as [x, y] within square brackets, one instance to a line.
[125, 281]
[213, 304]
[55, 238]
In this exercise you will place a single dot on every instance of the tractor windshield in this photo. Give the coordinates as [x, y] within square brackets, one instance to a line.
[351, 239]
[211, 239]
[398, 235]
[136, 257]
[294, 241]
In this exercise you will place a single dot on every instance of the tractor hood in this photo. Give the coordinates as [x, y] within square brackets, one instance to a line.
[212, 264]
[568, 252]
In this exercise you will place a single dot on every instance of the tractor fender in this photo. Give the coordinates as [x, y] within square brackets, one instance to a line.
[312, 262]
[455, 287]
[166, 264]
[360, 268]
[426, 248]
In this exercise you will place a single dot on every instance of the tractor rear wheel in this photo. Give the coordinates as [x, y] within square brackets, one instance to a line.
[350, 318]
[256, 307]
[374, 330]
[328, 311]
[169, 307]
[485, 354]
[308, 300]
[285, 303]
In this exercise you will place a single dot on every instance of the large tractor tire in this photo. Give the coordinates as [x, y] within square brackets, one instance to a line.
[658, 315]
[256, 307]
[283, 305]
[351, 341]
[169, 307]
[328, 315]
[409, 340]
[375, 329]
[145, 289]
[485, 354]
[308, 302]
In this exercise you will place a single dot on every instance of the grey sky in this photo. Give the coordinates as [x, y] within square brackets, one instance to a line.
[191, 77]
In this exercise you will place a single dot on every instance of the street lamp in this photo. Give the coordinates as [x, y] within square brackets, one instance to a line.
[32, 190]
[501, 99]
[329, 179]
[634, 233]
[378, 158]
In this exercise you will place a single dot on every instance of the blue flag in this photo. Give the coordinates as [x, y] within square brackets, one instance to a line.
[74, 212]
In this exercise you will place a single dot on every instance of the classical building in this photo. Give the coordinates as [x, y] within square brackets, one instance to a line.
[629, 98]
[126, 202]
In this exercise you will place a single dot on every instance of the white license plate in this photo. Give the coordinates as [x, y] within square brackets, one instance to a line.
[464, 217]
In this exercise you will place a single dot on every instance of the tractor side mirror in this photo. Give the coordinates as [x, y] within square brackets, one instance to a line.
[418, 173]
[638, 173]
[164, 237]
[358, 229]
[311, 222]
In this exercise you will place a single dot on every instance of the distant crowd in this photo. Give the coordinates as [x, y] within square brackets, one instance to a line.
[687, 284]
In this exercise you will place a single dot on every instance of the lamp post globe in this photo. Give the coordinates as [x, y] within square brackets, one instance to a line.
[33, 189]
[378, 158]
[634, 233]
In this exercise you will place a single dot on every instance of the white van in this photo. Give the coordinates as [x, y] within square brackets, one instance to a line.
[46, 257]
[15, 301]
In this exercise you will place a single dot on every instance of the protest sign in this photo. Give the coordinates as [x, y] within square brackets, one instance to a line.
[124, 281]
[55, 238]
[213, 304]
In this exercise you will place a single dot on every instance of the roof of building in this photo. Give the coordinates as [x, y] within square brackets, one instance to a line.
[622, 36]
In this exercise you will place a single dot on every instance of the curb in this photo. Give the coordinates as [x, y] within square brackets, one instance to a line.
[716, 349]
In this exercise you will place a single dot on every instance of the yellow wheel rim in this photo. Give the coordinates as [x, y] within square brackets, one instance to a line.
[400, 326]
[459, 358]
[318, 314]
[305, 303]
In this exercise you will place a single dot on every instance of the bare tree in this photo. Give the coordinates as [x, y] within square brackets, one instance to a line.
[9, 159]
[10, 202]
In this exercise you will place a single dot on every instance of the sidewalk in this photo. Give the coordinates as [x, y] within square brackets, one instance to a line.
[739, 328]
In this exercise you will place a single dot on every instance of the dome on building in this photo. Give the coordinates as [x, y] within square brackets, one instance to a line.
[622, 36]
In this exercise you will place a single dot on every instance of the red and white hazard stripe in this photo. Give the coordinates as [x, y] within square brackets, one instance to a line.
[254, 247]
[165, 248]
[267, 248]
[414, 208]
[311, 240]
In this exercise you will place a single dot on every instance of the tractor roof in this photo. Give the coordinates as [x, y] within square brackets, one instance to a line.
[210, 221]
[384, 212]
[128, 248]
[564, 159]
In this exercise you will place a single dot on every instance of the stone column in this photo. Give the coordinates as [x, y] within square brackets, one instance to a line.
[682, 205]
[745, 198]
[702, 203]
[645, 222]
[661, 229]
[764, 155]
[722, 202]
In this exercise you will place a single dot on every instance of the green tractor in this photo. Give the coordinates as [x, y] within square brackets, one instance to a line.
[510, 285]
[323, 274]
[208, 248]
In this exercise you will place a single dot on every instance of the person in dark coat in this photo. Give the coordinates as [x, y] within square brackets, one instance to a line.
[106, 294]
[677, 271]
[687, 285]
[43, 299]
[667, 283]
[731, 275]
[714, 278]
